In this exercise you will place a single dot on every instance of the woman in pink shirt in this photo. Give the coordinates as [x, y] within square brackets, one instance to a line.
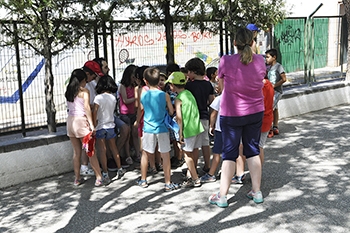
[241, 112]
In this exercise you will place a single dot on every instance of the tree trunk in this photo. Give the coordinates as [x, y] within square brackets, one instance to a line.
[169, 34]
[347, 13]
[50, 105]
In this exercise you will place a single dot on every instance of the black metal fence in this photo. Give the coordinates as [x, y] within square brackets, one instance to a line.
[21, 69]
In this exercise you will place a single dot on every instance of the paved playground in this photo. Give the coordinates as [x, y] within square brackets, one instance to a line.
[306, 185]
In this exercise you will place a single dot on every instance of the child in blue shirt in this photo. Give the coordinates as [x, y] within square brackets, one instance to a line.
[155, 103]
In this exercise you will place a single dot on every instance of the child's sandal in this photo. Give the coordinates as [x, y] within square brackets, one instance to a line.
[142, 183]
[170, 187]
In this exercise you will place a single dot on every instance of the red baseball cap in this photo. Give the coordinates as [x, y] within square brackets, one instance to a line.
[94, 67]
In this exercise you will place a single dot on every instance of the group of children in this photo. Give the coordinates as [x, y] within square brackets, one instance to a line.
[147, 98]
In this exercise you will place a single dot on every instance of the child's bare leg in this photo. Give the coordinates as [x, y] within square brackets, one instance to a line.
[84, 158]
[166, 167]
[135, 140]
[206, 156]
[144, 164]
[123, 136]
[96, 167]
[101, 143]
[275, 117]
[76, 143]
[190, 164]
[195, 156]
[152, 161]
[115, 152]
[214, 164]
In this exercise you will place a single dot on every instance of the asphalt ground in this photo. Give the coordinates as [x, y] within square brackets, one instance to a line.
[305, 184]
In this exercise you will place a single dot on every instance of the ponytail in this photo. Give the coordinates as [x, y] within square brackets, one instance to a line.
[244, 39]
[73, 86]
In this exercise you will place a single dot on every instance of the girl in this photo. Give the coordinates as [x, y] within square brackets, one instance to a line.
[79, 122]
[103, 117]
[127, 108]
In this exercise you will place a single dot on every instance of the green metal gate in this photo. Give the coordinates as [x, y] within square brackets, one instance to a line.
[289, 42]
[320, 42]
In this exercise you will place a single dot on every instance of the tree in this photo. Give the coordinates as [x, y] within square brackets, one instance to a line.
[347, 13]
[239, 13]
[49, 27]
[206, 15]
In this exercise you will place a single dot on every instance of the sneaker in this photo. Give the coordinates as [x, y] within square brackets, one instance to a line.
[87, 172]
[120, 173]
[275, 130]
[238, 179]
[78, 182]
[98, 183]
[142, 183]
[217, 200]
[256, 197]
[171, 187]
[105, 178]
[270, 135]
[111, 165]
[129, 161]
[208, 178]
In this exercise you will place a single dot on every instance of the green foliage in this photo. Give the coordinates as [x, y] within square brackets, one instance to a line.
[47, 25]
[206, 14]
[239, 13]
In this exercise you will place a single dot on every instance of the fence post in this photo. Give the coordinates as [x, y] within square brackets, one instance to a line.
[19, 78]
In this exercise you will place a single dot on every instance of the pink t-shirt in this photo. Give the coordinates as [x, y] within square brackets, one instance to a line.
[77, 107]
[242, 94]
[127, 108]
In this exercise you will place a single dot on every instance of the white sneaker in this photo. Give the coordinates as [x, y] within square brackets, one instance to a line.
[87, 172]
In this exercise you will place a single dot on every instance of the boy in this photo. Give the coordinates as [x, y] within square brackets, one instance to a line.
[187, 117]
[214, 130]
[154, 103]
[203, 92]
[277, 77]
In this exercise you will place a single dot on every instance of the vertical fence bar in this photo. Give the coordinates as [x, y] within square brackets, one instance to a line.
[96, 39]
[221, 38]
[19, 77]
[112, 47]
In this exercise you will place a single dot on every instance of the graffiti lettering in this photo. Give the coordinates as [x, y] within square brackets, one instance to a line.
[179, 34]
[200, 36]
[161, 36]
[148, 40]
[290, 35]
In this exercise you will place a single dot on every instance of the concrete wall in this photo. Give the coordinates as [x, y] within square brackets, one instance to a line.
[27, 160]
[303, 100]
[20, 166]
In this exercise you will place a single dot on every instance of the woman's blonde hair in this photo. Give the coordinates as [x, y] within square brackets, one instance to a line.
[244, 39]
